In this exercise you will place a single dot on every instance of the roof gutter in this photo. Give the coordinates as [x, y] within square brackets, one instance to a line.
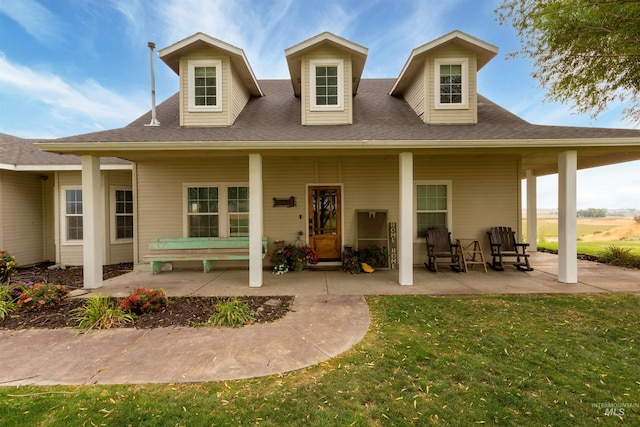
[92, 148]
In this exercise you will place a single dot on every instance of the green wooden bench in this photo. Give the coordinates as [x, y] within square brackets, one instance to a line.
[205, 249]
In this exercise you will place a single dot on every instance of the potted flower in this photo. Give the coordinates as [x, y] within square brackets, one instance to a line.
[279, 261]
[299, 255]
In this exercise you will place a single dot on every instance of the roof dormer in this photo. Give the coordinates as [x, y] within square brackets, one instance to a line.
[325, 72]
[439, 80]
[216, 80]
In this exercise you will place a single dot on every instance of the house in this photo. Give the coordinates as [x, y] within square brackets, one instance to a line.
[338, 159]
[41, 201]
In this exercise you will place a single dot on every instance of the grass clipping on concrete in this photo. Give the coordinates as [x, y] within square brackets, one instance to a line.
[494, 360]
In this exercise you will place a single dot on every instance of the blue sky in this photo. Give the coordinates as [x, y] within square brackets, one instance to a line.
[75, 66]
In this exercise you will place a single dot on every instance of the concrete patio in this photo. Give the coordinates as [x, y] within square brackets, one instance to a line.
[592, 277]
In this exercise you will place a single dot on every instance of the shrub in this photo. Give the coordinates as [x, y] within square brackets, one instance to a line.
[617, 255]
[39, 296]
[100, 313]
[637, 219]
[7, 266]
[233, 313]
[7, 302]
[144, 300]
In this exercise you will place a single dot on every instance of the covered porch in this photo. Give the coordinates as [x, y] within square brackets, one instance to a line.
[594, 278]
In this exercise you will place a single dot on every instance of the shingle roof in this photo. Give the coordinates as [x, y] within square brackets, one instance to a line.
[377, 116]
[21, 152]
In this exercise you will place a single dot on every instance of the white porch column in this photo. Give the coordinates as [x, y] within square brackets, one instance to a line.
[567, 200]
[532, 211]
[405, 225]
[93, 238]
[256, 227]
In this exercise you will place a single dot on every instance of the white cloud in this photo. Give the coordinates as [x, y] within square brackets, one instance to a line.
[69, 101]
[33, 18]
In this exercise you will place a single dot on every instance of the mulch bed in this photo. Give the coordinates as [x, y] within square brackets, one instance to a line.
[179, 311]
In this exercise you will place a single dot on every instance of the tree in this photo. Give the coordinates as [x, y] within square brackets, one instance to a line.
[585, 52]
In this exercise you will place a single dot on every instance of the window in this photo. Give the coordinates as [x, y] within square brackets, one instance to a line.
[451, 83]
[205, 85]
[202, 211]
[73, 215]
[123, 215]
[433, 206]
[217, 210]
[238, 208]
[327, 81]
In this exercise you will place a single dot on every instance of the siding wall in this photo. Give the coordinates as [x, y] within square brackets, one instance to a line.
[326, 117]
[160, 192]
[453, 116]
[215, 118]
[485, 192]
[239, 95]
[71, 253]
[22, 216]
[415, 94]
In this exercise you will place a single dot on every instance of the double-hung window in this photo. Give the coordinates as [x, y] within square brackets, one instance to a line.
[433, 205]
[220, 210]
[72, 227]
[238, 211]
[451, 82]
[205, 85]
[327, 85]
[122, 211]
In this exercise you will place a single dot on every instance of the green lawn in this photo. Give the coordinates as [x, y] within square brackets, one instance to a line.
[512, 360]
[595, 248]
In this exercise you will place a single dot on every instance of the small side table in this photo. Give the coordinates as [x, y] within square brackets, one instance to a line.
[471, 253]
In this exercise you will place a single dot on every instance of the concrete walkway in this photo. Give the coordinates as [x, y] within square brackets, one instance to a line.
[329, 316]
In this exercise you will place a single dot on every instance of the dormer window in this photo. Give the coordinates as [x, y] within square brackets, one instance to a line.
[205, 85]
[451, 83]
[327, 85]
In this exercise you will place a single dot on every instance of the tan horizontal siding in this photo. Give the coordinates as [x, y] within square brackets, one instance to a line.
[326, 117]
[240, 95]
[454, 116]
[415, 94]
[160, 192]
[485, 193]
[205, 118]
[22, 219]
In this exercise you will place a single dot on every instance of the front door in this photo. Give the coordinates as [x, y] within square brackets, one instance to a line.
[325, 228]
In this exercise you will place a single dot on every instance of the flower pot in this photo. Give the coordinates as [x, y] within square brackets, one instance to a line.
[298, 266]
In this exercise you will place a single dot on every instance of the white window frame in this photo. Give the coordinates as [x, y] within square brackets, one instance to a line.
[223, 204]
[64, 232]
[313, 63]
[449, 211]
[113, 216]
[464, 63]
[217, 64]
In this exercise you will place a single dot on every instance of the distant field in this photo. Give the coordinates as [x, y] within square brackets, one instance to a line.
[594, 234]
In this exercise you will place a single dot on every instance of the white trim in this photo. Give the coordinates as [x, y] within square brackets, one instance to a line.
[64, 240]
[222, 145]
[223, 214]
[256, 220]
[532, 209]
[54, 167]
[313, 63]
[215, 63]
[449, 184]
[567, 222]
[406, 219]
[464, 63]
[112, 214]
